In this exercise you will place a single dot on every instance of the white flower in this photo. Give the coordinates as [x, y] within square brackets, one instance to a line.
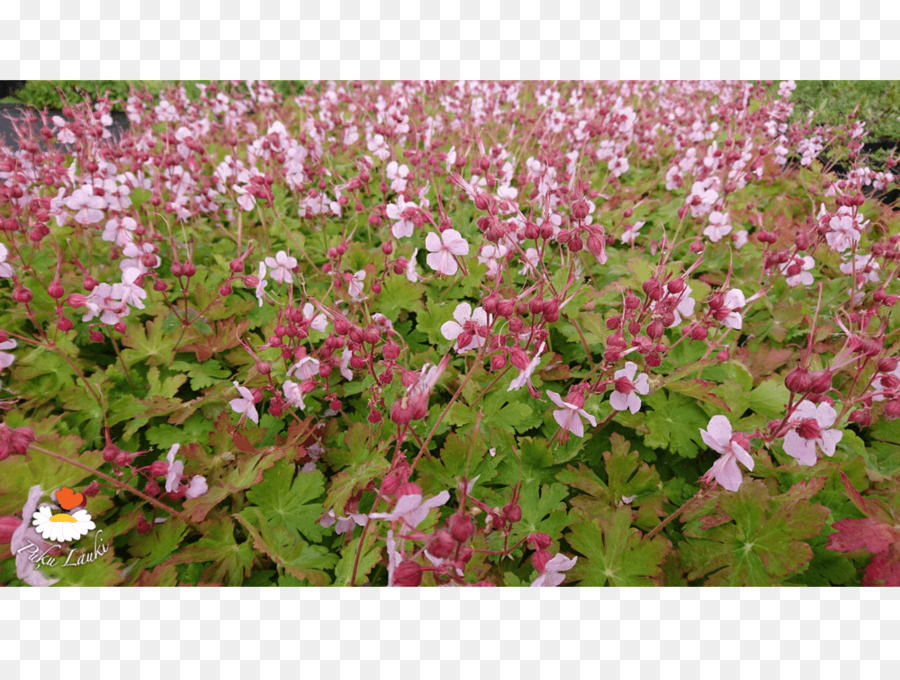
[62, 526]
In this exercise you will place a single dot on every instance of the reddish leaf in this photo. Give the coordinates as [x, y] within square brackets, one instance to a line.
[859, 534]
[884, 569]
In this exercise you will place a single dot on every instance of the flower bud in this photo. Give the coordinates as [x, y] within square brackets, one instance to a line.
[498, 362]
[158, 468]
[512, 512]
[655, 329]
[820, 381]
[887, 364]
[462, 528]
[892, 409]
[798, 381]
[441, 544]
[408, 575]
[539, 560]
[539, 541]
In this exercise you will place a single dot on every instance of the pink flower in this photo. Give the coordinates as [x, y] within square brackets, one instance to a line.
[797, 269]
[627, 389]
[6, 270]
[6, 358]
[87, 206]
[119, 230]
[244, 405]
[344, 524]
[129, 291]
[844, 231]
[878, 384]
[733, 447]
[739, 238]
[319, 321]
[491, 255]
[411, 275]
[379, 147]
[305, 368]
[465, 329]
[262, 283]
[355, 285]
[552, 575]
[197, 487]
[346, 355]
[411, 509]
[718, 226]
[135, 257]
[402, 227]
[729, 313]
[441, 251]
[397, 174]
[864, 266]
[631, 232]
[525, 374]
[684, 308]
[176, 469]
[281, 266]
[810, 425]
[26, 543]
[568, 416]
[293, 394]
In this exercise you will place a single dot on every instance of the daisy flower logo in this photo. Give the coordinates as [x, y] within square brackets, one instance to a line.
[72, 523]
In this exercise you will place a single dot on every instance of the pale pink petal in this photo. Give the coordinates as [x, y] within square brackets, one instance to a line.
[618, 401]
[801, 449]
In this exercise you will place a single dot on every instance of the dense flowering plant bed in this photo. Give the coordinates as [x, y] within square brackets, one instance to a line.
[448, 334]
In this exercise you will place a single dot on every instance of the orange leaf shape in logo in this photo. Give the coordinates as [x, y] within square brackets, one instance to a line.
[68, 499]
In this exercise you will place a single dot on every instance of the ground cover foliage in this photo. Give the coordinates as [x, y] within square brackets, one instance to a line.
[465, 334]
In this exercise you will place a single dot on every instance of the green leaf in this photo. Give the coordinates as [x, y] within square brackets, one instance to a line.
[770, 398]
[674, 424]
[291, 501]
[371, 555]
[749, 538]
[398, 295]
[543, 510]
[203, 375]
[613, 553]
[232, 561]
[148, 343]
[284, 547]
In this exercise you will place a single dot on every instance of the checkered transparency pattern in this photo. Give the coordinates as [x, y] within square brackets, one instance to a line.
[509, 39]
[518, 633]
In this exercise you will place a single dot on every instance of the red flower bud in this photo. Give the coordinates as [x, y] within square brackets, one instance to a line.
[8, 525]
[512, 512]
[798, 381]
[820, 381]
[887, 364]
[441, 544]
[462, 528]
[539, 541]
[539, 560]
[408, 575]
[655, 329]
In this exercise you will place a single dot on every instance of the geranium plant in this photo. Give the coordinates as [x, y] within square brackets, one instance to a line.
[463, 334]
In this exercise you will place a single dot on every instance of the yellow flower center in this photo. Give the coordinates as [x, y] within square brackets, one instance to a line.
[62, 517]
